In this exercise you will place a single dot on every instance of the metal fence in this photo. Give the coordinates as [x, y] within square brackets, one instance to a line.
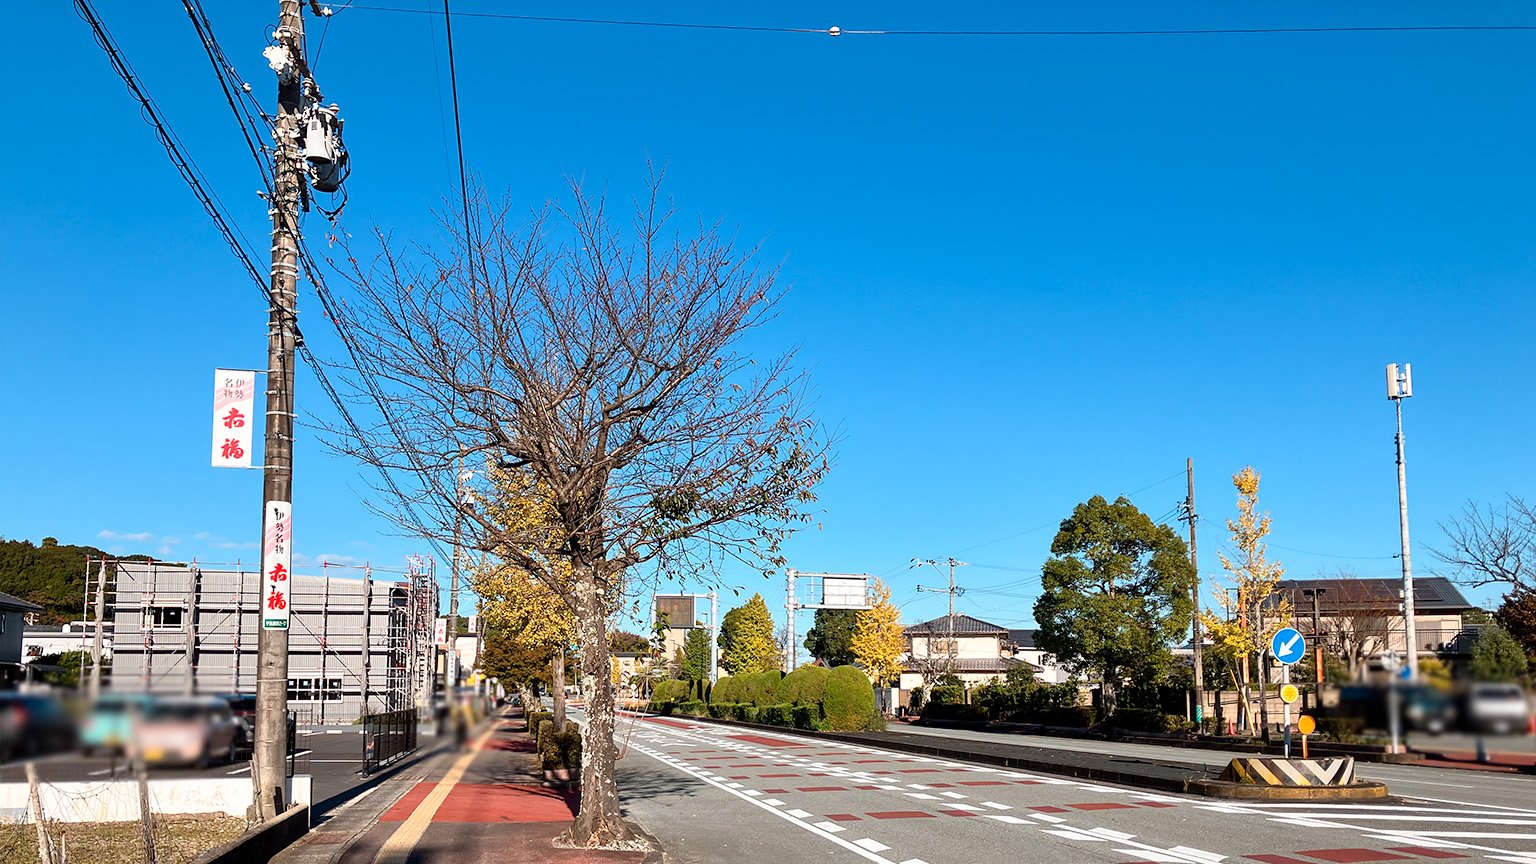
[387, 736]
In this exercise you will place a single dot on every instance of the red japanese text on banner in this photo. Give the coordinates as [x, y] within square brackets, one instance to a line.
[234, 398]
[276, 561]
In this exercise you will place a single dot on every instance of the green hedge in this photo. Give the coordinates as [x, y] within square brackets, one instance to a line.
[849, 703]
[946, 711]
[560, 749]
[916, 699]
[543, 732]
[947, 694]
[533, 718]
[1146, 720]
[693, 708]
[724, 690]
[806, 685]
[671, 690]
[776, 715]
[1075, 716]
[805, 717]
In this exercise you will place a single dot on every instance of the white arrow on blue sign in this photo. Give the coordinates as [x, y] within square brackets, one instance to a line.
[1288, 646]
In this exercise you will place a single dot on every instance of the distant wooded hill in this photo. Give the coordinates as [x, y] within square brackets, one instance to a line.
[50, 574]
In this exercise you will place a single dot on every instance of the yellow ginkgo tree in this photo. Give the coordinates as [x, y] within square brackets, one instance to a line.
[877, 636]
[1251, 610]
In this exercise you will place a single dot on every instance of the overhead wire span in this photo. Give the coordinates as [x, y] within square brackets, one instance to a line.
[841, 31]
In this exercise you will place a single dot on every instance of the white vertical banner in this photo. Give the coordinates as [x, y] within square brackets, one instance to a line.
[276, 559]
[440, 632]
[234, 400]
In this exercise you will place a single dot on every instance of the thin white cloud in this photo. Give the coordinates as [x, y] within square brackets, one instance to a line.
[300, 559]
[137, 537]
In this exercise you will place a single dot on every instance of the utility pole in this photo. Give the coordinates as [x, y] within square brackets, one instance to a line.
[451, 663]
[790, 652]
[287, 58]
[1400, 387]
[1194, 562]
[714, 635]
[97, 637]
[952, 591]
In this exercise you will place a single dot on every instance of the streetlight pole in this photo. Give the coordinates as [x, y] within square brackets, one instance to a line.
[1400, 387]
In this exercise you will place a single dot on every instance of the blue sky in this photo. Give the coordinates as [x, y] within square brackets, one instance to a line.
[1024, 270]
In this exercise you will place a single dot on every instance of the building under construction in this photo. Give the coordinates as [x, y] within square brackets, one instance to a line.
[358, 643]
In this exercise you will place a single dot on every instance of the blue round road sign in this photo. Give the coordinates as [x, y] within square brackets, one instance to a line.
[1288, 646]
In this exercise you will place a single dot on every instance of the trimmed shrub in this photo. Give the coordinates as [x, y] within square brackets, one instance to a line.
[533, 718]
[806, 685]
[916, 698]
[946, 711]
[720, 710]
[669, 691]
[1075, 717]
[805, 716]
[561, 750]
[850, 700]
[776, 715]
[724, 690]
[546, 729]
[947, 694]
[749, 713]
[763, 688]
[1144, 720]
[693, 708]
[663, 708]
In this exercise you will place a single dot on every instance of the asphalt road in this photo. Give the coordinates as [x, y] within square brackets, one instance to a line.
[1454, 785]
[332, 755]
[724, 794]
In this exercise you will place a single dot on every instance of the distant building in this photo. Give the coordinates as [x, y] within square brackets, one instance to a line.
[13, 619]
[1021, 645]
[975, 651]
[355, 644]
[46, 640]
[1360, 619]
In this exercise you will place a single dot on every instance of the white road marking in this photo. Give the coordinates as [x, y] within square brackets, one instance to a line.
[1113, 835]
[871, 845]
[1072, 835]
[921, 796]
[1046, 817]
[918, 786]
[773, 802]
[1011, 820]
[1199, 854]
[971, 807]
[956, 795]
[753, 792]
[914, 861]
[1428, 783]
[995, 806]
[831, 826]
[797, 813]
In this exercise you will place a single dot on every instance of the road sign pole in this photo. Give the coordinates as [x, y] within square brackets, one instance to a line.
[1285, 679]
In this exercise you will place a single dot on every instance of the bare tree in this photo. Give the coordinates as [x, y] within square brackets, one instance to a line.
[606, 366]
[1492, 547]
[1363, 618]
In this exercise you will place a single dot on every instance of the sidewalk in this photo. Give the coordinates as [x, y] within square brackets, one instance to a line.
[482, 805]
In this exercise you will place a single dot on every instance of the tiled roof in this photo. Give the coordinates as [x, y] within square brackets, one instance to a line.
[1022, 638]
[964, 625]
[968, 664]
[1346, 596]
[16, 604]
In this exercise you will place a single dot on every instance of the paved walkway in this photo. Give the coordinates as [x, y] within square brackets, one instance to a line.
[484, 804]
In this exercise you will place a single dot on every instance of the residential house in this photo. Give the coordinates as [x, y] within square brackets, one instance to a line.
[13, 619]
[973, 650]
[1021, 646]
[1360, 619]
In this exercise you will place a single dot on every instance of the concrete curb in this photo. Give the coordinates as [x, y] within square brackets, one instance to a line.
[1252, 792]
[263, 842]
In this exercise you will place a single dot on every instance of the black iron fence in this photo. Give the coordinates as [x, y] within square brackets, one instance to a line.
[387, 736]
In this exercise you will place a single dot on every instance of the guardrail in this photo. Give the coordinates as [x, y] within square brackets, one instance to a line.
[387, 736]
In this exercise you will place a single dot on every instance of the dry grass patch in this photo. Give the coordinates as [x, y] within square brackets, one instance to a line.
[178, 840]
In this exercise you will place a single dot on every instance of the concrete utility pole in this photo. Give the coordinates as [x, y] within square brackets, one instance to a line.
[790, 650]
[451, 664]
[1400, 387]
[268, 752]
[1194, 561]
[952, 591]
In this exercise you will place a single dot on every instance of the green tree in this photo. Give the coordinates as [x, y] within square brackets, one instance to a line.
[746, 638]
[878, 641]
[1517, 615]
[1496, 656]
[71, 666]
[1116, 592]
[696, 655]
[831, 637]
[50, 574]
[622, 640]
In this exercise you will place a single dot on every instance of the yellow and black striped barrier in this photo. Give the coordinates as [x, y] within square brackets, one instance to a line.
[1270, 771]
[1276, 779]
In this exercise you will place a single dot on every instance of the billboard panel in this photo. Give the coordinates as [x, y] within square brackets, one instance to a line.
[678, 608]
[845, 592]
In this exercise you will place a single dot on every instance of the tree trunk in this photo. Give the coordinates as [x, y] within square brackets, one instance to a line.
[1107, 690]
[599, 822]
[1245, 690]
[557, 686]
[529, 696]
[1264, 696]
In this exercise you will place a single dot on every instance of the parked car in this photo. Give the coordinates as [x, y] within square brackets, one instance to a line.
[186, 731]
[109, 722]
[243, 706]
[32, 724]
[1426, 709]
[1497, 709]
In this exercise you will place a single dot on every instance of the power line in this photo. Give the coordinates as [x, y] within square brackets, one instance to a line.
[839, 31]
